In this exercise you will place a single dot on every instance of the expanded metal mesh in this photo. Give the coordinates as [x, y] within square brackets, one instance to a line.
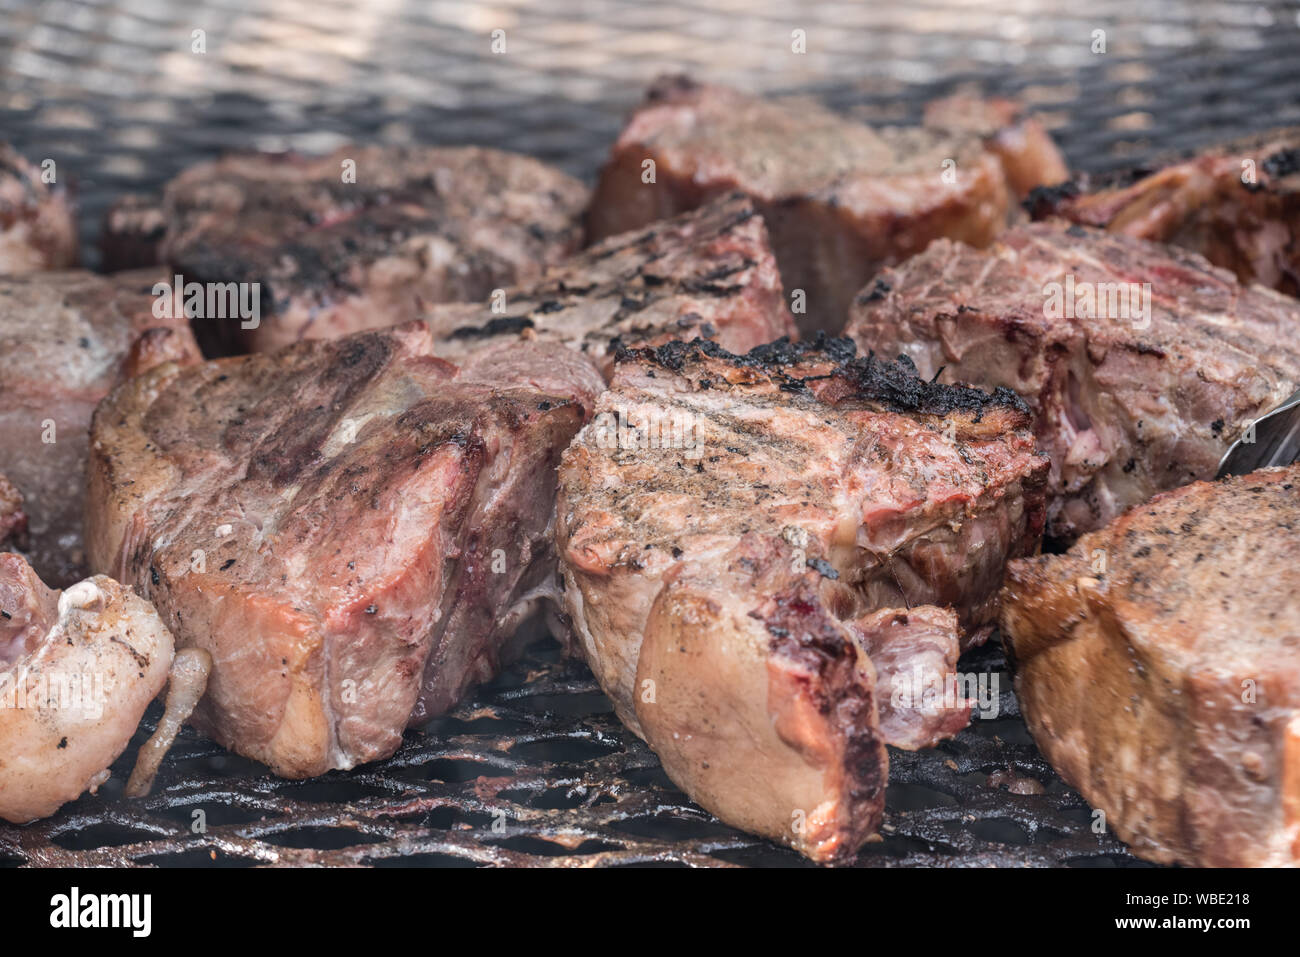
[535, 769]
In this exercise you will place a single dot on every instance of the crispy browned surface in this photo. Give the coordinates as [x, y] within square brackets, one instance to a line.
[707, 273]
[839, 198]
[790, 492]
[1237, 204]
[355, 530]
[1158, 667]
[77, 671]
[37, 227]
[67, 338]
[419, 225]
[1123, 410]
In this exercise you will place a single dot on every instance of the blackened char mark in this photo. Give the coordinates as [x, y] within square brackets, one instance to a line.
[500, 325]
[1045, 201]
[879, 289]
[894, 384]
[1282, 163]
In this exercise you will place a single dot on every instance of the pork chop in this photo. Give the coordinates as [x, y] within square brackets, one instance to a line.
[367, 236]
[840, 198]
[729, 528]
[1237, 204]
[355, 530]
[1141, 363]
[37, 228]
[1158, 667]
[707, 273]
[67, 338]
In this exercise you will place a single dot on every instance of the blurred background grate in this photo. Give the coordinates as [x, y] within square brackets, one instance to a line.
[536, 769]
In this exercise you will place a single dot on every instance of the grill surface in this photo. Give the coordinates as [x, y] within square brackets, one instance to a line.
[535, 769]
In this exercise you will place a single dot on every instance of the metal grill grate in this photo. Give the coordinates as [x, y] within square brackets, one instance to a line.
[535, 769]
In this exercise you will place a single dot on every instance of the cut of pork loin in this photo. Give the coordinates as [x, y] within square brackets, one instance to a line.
[66, 339]
[1029, 157]
[77, 670]
[839, 197]
[336, 253]
[1125, 407]
[729, 528]
[1237, 204]
[1158, 667]
[707, 273]
[355, 530]
[37, 228]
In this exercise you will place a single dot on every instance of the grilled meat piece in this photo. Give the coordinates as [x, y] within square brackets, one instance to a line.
[726, 527]
[708, 273]
[68, 338]
[37, 228]
[13, 519]
[1126, 403]
[1029, 157]
[1237, 204]
[355, 530]
[336, 253]
[839, 198]
[132, 234]
[1158, 667]
[77, 670]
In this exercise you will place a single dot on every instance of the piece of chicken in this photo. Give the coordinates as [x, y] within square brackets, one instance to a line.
[78, 668]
